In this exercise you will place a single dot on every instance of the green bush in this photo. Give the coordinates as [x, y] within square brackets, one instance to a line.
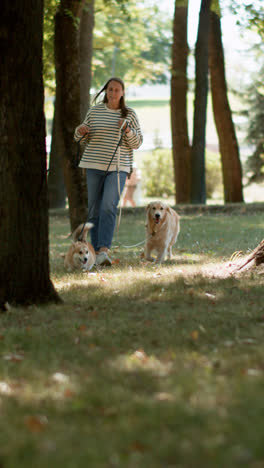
[213, 174]
[158, 174]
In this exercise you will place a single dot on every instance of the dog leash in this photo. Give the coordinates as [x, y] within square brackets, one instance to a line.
[118, 176]
[130, 246]
[138, 244]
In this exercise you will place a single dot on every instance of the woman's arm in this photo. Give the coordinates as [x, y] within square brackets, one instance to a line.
[83, 129]
[133, 132]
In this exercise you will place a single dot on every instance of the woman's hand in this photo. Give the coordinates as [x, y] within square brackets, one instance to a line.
[83, 130]
[126, 127]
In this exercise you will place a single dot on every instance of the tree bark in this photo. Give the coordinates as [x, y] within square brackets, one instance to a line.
[198, 191]
[231, 166]
[56, 185]
[86, 50]
[24, 245]
[179, 88]
[68, 102]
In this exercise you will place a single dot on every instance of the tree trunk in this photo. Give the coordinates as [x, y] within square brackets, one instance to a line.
[198, 192]
[24, 246]
[56, 185]
[86, 50]
[68, 102]
[231, 166]
[179, 88]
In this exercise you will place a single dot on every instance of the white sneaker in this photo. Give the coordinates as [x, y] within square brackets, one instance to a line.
[103, 259]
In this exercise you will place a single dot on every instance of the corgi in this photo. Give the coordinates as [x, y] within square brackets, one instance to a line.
[81, 254]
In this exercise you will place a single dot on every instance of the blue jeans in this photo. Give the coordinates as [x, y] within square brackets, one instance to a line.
[103, 198]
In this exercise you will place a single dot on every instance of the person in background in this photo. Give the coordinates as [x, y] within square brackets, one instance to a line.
[107, 164]
[130, 188]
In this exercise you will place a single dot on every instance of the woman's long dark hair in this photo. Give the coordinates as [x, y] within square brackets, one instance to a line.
[123, 107]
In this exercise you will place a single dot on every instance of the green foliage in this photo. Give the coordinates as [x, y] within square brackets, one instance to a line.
[133, 44]
[253, 100]
[215, 7]
[213, 174]
[130, 41]
[158, 174]
[50, 7]
[249, 15]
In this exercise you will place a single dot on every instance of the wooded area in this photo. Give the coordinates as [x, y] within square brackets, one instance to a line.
[137, 365]
[148, 56]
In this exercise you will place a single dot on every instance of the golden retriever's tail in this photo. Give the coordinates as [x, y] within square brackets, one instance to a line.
[80, 233]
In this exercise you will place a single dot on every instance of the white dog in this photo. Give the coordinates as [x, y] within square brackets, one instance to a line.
[162, 229]
[81, 254]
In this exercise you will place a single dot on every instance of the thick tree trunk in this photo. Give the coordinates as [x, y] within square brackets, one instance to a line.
[231, 166]
[24, 246]
[179, 88]
[57, 193]
[86, 50]
[56, 185]
[68, 102]
[198, 191]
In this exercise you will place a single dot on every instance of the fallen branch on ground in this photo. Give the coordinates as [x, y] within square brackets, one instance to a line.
[254, 259]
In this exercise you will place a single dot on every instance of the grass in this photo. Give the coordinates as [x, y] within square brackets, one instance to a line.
[142, 366]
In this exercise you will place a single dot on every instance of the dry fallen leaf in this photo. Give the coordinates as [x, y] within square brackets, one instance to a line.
[194, 335]
[92, 345]
[253, 372]
[68, 393]
[36, 423]
[59, 377]
[138, 447]
[115, 261]
[93, 314]
[5, 388]
[202, 329]
[141, 355]
[248, 341]
[210, 296]
[13, 357]
[163, 396]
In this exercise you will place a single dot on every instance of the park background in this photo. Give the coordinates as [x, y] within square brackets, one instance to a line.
[138, 365]
[152, 104]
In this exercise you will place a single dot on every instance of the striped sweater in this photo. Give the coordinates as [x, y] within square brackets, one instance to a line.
[104, 136]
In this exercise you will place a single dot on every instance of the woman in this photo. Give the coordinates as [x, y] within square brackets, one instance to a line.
[107, 164]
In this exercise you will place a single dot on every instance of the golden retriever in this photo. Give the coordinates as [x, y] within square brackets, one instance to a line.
[81, 254]
[162, 229]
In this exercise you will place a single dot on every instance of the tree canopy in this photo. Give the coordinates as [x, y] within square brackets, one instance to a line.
[130, 40]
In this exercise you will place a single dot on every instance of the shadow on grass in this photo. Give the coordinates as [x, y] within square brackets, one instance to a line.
[135, 359]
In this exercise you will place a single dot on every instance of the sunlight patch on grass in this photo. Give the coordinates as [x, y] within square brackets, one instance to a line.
[140, 360]
[56, 387]
[71, 281]
[159, 365]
